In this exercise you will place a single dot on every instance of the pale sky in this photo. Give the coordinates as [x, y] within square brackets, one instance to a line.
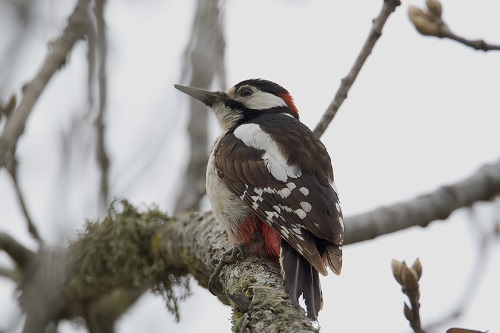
[423, 113]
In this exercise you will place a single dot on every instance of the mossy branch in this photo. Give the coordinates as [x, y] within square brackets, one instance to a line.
[115, 260]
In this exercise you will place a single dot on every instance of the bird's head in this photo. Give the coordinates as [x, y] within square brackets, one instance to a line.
[244, 101]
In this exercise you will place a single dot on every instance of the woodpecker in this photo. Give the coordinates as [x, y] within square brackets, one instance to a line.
[270, 183]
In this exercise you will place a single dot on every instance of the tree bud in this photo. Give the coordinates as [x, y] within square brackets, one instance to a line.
[410, 278]
[397, 267]
[417, 267]
[434, 7]
[408, 313]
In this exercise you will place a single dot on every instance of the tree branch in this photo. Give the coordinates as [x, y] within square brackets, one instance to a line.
[102, 154]
[376, 31]
[20, 254]
[10, 273]
[55, 59]
[129, 252]
[483, 185]
[254, 286]
[133, 251]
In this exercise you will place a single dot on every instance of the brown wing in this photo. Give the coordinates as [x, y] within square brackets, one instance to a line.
[302, 210]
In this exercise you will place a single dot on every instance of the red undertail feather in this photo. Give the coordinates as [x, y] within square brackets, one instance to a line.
[259, 238]
[272, 241]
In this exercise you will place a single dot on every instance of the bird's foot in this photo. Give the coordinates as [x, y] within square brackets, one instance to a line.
[229, 257]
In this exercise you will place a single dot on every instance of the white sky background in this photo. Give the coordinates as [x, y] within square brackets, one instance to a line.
[423, 113]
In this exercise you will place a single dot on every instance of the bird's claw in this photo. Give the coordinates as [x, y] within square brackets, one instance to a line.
[229, 257]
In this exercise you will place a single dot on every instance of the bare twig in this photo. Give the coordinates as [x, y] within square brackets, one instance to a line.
[12, 168]
[463, 330]
[205, 54]
[429, 22]
[483, 185]
[97, 57]
[7, 108]
[376, 31]
[408, 278]
[102, 154]
[477, 44]
[55, 59]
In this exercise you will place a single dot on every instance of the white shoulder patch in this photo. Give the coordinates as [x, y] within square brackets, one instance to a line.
[253, 136]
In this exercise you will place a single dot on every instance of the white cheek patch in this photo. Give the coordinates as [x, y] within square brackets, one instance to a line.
[261, 100]
[253, 136]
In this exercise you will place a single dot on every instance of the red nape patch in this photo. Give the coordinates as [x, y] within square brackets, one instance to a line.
[289, 101]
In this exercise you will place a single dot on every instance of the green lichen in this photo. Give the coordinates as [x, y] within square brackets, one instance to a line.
[123, 250]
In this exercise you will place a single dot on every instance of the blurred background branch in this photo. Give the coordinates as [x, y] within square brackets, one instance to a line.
[483, 185]
[56, 58]
[100, 48]
[203, 68]
[13, 171]
[23, 12]
[484, 238]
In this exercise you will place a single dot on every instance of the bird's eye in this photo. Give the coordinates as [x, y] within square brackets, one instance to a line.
[246, 91]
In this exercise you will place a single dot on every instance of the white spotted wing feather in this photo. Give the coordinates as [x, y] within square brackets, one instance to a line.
[292, 193]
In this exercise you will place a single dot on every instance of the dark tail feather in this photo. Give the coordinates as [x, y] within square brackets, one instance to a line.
[334, 258]
[312, 292]
[300, 278]
[292, 272]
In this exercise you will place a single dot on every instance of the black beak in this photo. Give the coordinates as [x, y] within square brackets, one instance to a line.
[207, 97]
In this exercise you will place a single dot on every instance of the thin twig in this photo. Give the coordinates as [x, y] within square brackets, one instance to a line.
[12, 168]
[102, 154]
[477, 44]
[429, 22]
[55, 59]
[376, 31]
[97, 86]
